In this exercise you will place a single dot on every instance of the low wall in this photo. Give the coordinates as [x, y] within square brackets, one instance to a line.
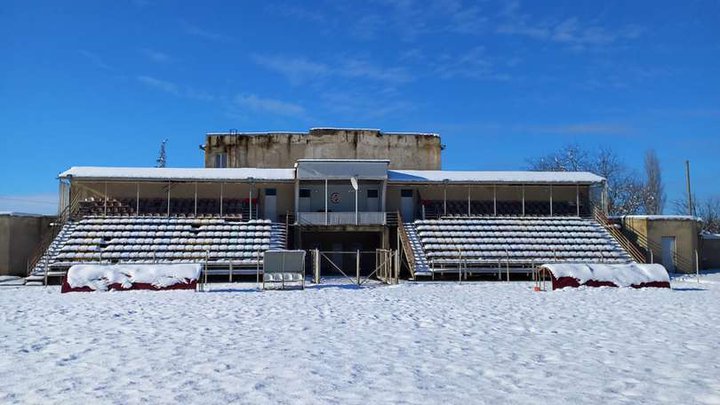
[710, 253]
[19, 236]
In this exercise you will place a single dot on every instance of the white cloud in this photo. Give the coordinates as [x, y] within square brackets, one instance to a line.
[472, 64]
[32, 204]
[175, 89]
[199, 32]
[299, 70]
[568, 31]
[270, 105]
[589, 128]
[95, 60]
[159, 84]
[297, 12]
[155, 56]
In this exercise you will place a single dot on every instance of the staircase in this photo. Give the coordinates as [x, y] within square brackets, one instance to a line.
[631, 248]
[41, 271]
[414, 251]
[279, 236]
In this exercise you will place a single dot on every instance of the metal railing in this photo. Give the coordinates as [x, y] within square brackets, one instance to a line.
[49, 237]
[626, 244]
[341, 218]
[407, 249]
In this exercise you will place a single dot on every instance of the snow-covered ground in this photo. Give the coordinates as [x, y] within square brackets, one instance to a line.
[480, 342]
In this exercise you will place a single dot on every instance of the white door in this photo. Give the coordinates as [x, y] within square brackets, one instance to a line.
[271, 204]
[407, 205]
[668, 253]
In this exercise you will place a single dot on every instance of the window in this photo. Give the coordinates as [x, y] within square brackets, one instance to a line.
[406, 193]
[372, 193]
[270, 191]
[220, 160]
[304, 193]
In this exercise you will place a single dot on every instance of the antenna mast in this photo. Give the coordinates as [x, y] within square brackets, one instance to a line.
[162, 159]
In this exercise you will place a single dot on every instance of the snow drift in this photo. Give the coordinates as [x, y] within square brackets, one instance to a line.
[611, 275]
[131, 277]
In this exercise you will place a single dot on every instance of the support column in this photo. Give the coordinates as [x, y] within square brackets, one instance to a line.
[105, 203]
[445, 197]
[222, 189]
[137, 198]
[326, 202]
[383, 202]
[252, 186]
[469, 210]
[168, 200]
[297, 197]
[551, 200]
[357, 218]
[495, 199]
[195, 203]
[577, 199]
[523, 199]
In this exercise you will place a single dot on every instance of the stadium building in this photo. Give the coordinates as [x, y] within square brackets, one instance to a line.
[337, 191]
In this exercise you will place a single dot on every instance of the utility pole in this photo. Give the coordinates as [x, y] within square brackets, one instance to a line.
[691, 210]
[162, 159]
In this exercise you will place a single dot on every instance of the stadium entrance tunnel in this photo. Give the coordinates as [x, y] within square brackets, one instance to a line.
[341, 250]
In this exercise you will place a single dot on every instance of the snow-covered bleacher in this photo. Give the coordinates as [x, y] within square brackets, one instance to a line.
[483, 243]
[146, 239]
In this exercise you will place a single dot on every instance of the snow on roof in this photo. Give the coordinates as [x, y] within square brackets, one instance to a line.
[22, 214]
[711, 236]
[622, 275]
[258, 133]
[344, 160]
[662, 217]
[492, 177]
[154, 173]
[253, 133]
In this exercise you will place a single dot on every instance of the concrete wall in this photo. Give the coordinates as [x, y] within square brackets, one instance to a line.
[19, 236]
[278, 150]
[710, 248]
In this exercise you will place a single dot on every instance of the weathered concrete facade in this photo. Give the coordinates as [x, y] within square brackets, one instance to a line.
[281, 150]
[19, 236]
[648, 232]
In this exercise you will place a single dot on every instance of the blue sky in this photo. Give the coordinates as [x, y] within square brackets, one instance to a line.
[102, 83]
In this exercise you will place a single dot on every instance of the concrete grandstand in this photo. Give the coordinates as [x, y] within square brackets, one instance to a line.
[330, 190]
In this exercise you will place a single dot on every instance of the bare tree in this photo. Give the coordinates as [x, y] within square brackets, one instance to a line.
[654, 193]
[625, 188]
[571, 158]
[708, 210]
